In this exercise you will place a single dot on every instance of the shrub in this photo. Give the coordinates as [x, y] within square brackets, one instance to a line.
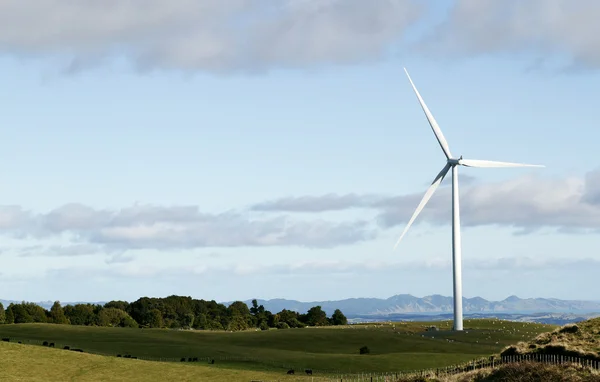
[282, 325]
[569, 329]
[364, 350]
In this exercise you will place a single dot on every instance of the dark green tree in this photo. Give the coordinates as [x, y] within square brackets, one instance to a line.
[338, 318]
[117, 304]
[27, 312]
[155, 319]
[316, 317]
[10, 316]
[116, 318]
[57, 314]
[200, 321]
[187, 321]
[2, 314]
[82, 314]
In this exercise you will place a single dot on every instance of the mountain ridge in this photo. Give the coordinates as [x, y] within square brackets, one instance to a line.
[409, 304]
[432, 304]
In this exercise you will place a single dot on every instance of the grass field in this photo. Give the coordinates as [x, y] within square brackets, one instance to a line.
[394, 346]
[36, 363]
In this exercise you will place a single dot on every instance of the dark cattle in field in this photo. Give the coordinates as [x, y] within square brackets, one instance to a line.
[190, 359]
[183, 359]
[127, 356]
[51, 344]
[119, 355]
[212, 361]
[78, 350]
[133, 357]
[291, 371]
[67, 348]
[308, 371]
[20, 342]
[195, 359]
[45, 343]
[6, 339]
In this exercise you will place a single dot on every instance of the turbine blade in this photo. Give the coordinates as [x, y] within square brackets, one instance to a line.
[434, 126]
[434, 185]
[490, 164]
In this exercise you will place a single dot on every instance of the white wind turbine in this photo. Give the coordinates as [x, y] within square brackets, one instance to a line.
[451, 163]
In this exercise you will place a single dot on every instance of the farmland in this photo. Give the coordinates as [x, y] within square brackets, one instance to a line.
[327, 350]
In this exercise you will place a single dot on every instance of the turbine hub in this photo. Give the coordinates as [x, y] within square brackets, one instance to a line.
[454, 161]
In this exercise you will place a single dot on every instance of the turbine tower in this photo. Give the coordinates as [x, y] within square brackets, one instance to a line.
[451, 163]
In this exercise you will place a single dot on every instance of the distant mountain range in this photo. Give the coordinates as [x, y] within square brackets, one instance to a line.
[406, 304]
[48, 304]
[431, 305]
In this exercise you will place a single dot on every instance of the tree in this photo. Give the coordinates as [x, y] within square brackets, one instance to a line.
[338, 318]
[254, 309]
[155, 319]
[10, 316]
[237, 322]
[57, 314]
[2, 314]
[188, 320]
[115, 317]
[237, 313]
[272, 319]
[117, 304]
[81, 314]
[316, 317]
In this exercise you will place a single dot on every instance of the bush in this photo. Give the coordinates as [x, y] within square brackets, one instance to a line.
[264, 325]
[569, 329]
[282, 325]
[364, 350]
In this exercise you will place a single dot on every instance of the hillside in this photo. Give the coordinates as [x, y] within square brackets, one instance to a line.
[575, 340]
[36, 363]
[393, 346]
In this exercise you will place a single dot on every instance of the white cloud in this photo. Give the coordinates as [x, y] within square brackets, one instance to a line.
[213, 35]
[544, 28]
[167, 228]
[528, 202]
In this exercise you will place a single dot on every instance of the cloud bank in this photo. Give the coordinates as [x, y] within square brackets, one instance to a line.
[173, 227]
[256, 35]
[546, 28]
[213, 35]
[528, 203]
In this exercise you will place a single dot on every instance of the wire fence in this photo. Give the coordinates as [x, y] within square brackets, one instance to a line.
[590, 362]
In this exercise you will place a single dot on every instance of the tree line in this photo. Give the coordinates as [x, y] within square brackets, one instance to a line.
[174, 312]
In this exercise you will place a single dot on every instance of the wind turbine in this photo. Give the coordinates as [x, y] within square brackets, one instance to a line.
[451, 163]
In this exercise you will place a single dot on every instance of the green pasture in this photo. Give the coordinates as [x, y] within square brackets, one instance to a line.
[326, 350]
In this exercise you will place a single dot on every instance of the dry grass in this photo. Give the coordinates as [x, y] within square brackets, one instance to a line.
[574, 340]
[522, 372]
[532, 372]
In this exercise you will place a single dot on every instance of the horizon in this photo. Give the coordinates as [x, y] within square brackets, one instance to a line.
[214, 148]
[301, 301]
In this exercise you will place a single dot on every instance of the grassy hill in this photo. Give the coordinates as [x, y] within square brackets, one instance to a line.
[36, 363]
[575, 340]
[394, 346]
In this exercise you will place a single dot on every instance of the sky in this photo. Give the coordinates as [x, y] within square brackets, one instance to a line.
[245, 149]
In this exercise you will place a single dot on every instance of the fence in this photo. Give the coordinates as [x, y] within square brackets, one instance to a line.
[333, 375]
[477, 364]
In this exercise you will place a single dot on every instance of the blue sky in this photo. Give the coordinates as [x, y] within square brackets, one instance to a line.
[231, 150]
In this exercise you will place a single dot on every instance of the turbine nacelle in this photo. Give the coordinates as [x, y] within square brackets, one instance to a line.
[454, 162]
